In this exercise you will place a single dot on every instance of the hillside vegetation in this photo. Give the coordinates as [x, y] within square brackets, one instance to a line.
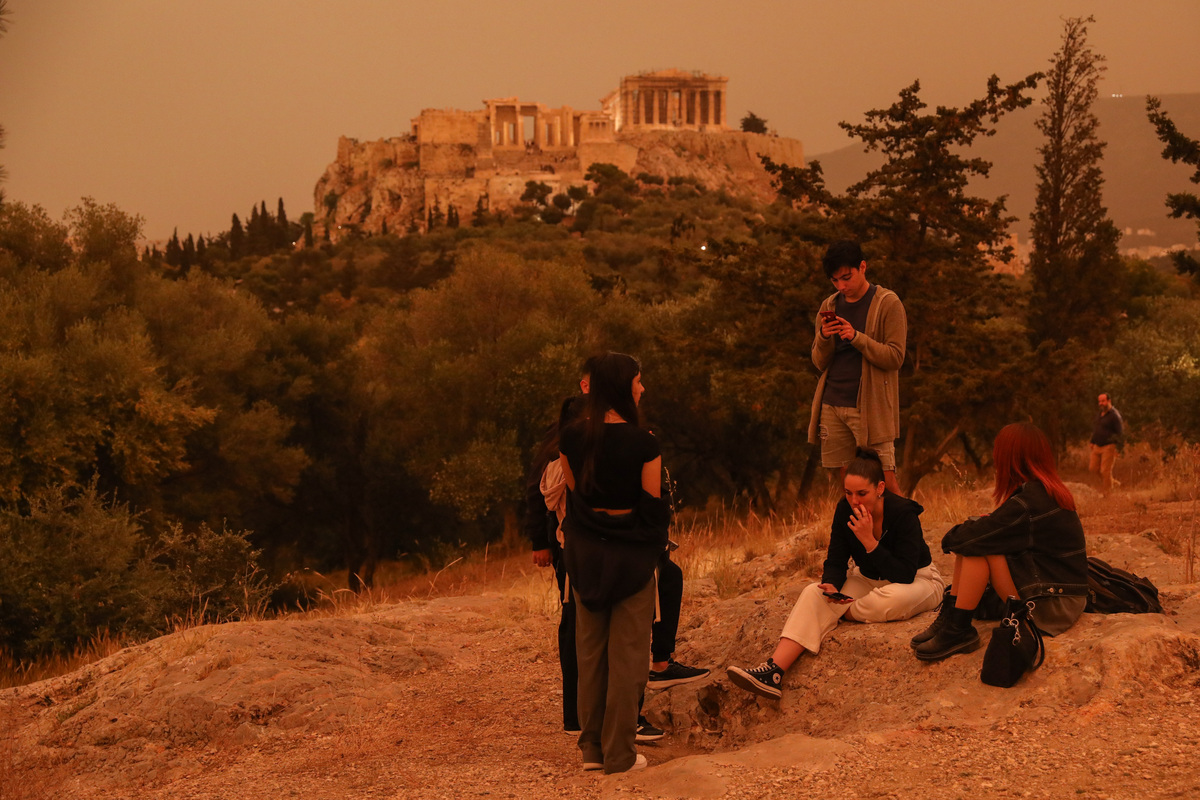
[189, 433]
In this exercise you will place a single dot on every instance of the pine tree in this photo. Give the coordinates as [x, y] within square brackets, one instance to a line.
[308, 233]
[1177, 148]
[201, 248]
[1076, 269]
[933, 244]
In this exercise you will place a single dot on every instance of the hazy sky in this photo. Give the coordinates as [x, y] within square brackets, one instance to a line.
[185, 112]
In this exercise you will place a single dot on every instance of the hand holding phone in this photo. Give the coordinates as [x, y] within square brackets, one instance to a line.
[838, 597]
[829, 316]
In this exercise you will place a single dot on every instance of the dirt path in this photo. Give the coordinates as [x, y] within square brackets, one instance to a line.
[459, 697]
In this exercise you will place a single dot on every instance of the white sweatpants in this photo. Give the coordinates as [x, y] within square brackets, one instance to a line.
[813, 616]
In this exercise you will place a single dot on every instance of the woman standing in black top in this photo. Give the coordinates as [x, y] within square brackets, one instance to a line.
[614, 532]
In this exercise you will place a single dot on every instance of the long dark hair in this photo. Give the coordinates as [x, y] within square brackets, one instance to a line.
[1022, 453]
[610, 389]
[547, 449]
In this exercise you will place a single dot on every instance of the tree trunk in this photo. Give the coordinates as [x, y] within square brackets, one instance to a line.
[810, 471]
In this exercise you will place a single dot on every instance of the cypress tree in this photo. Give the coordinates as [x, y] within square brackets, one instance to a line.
[283, 238]
[237, 238]
[1075, 265]
[174, 254]
[188, 254]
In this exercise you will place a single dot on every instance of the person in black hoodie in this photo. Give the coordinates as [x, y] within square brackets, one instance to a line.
[893, 578]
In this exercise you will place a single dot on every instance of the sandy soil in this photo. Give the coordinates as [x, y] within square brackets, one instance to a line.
[459, 697]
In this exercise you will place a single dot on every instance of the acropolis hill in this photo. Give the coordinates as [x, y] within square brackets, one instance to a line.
[668, 123]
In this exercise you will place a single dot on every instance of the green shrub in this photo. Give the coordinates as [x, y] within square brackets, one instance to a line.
[74, 564]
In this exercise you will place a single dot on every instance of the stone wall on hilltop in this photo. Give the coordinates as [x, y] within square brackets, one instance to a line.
[398, 181]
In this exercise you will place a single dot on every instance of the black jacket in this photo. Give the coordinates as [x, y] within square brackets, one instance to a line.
[611, 557]
[900, 553]
[1043, 543]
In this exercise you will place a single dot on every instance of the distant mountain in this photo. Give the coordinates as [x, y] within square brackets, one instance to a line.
[1137, 179]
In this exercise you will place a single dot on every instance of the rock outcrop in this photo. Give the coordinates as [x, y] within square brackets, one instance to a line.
[395, 184]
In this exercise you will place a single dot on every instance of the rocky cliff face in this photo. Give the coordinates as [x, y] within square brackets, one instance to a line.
[384, 183]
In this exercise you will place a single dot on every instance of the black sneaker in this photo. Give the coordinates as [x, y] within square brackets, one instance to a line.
[764, 680]
[647, 732]
[675, 674]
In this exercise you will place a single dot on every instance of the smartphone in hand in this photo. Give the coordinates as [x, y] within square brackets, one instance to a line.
[829, 316]
[838, 597]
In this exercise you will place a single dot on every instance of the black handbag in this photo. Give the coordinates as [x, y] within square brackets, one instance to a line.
[1016, 646]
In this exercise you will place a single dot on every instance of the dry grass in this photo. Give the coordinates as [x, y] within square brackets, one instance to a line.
[19, 673]
[15, 769]
[715, 544]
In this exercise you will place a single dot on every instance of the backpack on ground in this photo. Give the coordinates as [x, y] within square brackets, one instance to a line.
[1115, 591]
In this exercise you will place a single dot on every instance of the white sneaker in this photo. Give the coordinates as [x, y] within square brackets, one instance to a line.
[638, 763]
[592, 766]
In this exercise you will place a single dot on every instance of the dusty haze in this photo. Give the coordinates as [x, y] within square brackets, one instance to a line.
[185, 113]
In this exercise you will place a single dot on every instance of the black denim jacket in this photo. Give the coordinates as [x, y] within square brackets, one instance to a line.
[1043, 543]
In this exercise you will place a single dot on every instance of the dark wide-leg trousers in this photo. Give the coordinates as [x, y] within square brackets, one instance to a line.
[612, 647]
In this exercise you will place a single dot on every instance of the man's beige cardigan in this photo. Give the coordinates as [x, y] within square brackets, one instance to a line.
[882, 347]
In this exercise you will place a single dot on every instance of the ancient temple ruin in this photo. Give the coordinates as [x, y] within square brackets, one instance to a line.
[671, 99]
[483, 158]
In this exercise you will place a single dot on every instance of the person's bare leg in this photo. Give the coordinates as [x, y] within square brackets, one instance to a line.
[889, 481]
[1001, 578]
[971, 576]
[786, 653]
[957, 574]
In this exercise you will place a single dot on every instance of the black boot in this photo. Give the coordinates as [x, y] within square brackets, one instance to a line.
[957, 635]
[938, 621]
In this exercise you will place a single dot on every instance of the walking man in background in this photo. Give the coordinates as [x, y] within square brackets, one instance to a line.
[859, 346]
[1107, 434]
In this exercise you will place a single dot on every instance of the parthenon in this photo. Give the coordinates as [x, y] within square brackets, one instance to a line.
[663, 100]
[672, 99]
[670, 121]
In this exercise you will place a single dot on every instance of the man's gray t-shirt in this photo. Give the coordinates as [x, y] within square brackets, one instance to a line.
[845, 371]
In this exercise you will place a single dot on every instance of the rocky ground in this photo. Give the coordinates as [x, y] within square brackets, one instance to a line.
[459, 697]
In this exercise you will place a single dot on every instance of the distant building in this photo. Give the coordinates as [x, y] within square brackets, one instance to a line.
[483, 158]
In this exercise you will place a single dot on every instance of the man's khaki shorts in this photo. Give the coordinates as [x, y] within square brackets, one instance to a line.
[842, 432]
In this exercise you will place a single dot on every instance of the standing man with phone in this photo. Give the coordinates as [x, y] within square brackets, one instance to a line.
[859, 346]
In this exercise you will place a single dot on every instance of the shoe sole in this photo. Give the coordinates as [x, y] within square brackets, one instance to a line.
[965, 647]
[592, 766]
[667, 684]
[745, 680]
[650, 737]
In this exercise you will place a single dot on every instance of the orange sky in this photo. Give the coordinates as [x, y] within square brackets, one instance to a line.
[185, 112]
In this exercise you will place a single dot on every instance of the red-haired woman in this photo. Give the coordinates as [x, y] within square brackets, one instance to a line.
[1031, 546]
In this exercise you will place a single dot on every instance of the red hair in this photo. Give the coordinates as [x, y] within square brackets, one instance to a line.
[1022, 453]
